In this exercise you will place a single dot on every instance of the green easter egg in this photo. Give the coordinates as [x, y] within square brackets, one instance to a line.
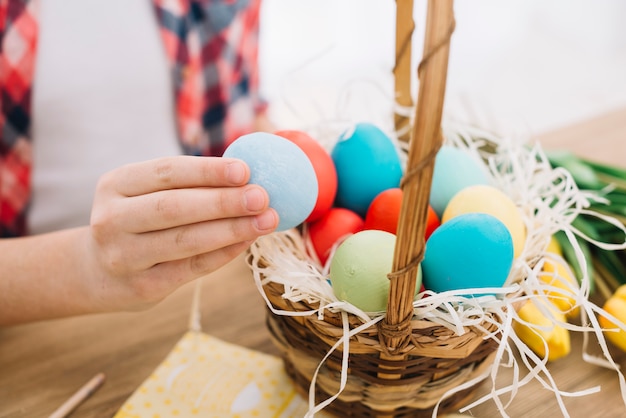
[359, 268]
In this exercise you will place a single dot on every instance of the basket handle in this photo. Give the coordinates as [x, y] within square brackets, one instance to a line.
[402, 70]
[395, 328]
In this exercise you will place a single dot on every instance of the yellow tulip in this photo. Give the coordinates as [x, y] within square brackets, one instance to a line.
[554, 247]
[616, 306]
[556, 337]
[556, 274]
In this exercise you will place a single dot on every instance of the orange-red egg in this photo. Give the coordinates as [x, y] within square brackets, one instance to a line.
[334, 225]
[432, 222]
[384, 213]
[324, 170]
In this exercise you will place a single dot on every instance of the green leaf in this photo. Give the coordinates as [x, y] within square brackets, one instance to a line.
[613, 264]
[584, 176]
[606, 169]
[570, 256]
[586, 226]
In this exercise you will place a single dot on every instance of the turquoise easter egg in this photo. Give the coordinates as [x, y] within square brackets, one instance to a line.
[455, 169]
[359, 268]
[473, 250]
[283, 170]
[367, 163]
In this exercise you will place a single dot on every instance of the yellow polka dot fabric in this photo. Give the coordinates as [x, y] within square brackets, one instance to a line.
[206, 377]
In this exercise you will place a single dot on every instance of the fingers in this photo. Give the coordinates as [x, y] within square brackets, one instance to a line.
[171, 208]
[175, 173]
[156, 283]
[140, 252]
[191, 240]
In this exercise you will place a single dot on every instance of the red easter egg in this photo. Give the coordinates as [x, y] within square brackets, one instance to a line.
[324, 170]
[384, 211]
[330, 228]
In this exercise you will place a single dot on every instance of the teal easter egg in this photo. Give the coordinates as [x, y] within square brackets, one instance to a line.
[367, 163]
[283, 170]
[455, 169]
[359, 268]
[473, 250]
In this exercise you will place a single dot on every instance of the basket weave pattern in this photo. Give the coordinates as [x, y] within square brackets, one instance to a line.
[407, 386]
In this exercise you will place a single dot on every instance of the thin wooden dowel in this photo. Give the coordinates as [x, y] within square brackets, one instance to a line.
[79, 396]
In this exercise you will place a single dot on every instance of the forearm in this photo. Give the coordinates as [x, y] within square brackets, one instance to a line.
[44, 277]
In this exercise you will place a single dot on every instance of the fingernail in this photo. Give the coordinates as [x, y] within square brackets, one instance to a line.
[254, 199]
[236, 172]
[266, 220]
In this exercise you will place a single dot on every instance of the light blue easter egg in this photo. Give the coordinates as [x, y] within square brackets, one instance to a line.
[455, 169]
[283, 170]
[359, 268]
[367, 163]
[473, 250]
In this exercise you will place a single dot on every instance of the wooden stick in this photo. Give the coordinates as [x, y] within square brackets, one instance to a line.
[426, 140]
[402, 70]
[77, 398]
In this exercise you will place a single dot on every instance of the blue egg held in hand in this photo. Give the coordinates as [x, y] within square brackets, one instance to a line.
[367, 163]
[283, 170]
[473, 250]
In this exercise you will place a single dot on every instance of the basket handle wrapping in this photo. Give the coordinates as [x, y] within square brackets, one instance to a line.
[427, 138]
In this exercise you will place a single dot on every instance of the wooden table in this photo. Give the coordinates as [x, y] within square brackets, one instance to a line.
[42, 364]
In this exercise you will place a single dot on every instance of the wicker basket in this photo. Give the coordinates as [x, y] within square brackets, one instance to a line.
[403, 365]
[380, 384]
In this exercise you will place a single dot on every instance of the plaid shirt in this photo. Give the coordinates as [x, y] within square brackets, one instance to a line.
[212, 46]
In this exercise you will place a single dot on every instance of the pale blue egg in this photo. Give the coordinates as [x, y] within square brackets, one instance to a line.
[367, 163]
[283, 170]
[359, 269]
[474, 250]
[455, 169]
